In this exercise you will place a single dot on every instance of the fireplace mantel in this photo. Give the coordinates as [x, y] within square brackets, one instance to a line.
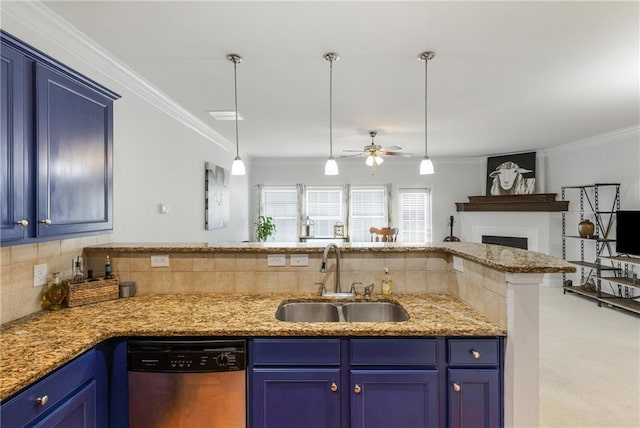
[535, 202]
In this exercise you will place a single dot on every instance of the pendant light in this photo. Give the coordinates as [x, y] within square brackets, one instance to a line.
[426, 166]
[237, 168]
[331, 166]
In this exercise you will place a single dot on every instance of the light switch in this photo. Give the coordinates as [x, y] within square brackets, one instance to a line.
[276, 260]
[159, 261]
[299, 259]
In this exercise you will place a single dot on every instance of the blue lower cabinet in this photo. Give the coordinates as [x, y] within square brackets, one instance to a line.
[68, 397]
[79, 411]
[394, 398]
[474, 398]
[294, 398]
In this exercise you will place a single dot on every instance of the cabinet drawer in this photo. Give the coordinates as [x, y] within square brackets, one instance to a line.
[24, 407]
[296, 352]
[473, 352]
[390, 352]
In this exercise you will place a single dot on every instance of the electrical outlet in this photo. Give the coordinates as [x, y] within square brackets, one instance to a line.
[299, 259]
[159, 261]
[276, 260]
[39, 275]
[458, 264]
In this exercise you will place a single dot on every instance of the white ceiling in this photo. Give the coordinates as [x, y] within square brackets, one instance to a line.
[507, 76]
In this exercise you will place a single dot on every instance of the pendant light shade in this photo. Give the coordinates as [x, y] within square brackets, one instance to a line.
[426, 166]
[237, 168]
[331, 166]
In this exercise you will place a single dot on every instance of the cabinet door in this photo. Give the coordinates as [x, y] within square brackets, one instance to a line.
[79, 411]
[74, 138]
[474, 398]
[294, 398]
[394, 398]
[12, 168]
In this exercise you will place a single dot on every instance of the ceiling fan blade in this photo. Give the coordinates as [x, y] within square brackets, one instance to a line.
[358, 151]
[400, 154]
[351, 156]
[392, 148]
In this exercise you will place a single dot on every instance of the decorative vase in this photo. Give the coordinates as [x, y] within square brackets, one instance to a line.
[586, 228]
[54, 295]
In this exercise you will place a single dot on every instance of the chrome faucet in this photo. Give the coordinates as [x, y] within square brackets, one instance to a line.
[323, 265]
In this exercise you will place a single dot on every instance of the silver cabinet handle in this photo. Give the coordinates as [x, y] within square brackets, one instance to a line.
[23, 223]
[475, 354]
[46, 221]
[456, 387]
[42, 400]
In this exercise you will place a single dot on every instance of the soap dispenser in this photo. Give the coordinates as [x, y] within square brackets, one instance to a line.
[387, 283]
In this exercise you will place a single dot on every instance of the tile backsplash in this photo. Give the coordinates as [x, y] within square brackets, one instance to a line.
[18, 296]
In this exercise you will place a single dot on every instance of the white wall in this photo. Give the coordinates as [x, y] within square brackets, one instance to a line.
[158, 157]
[454, 180]
[607, 158]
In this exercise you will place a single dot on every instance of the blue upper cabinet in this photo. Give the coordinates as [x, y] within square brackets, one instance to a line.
[56, 166]
[74, 140]
[13, 218]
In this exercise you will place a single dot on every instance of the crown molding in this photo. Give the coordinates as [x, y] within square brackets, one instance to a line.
[47, 24]
[613, 137]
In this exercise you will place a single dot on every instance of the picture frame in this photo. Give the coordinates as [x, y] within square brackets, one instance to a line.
[512, 174]
[216, 196]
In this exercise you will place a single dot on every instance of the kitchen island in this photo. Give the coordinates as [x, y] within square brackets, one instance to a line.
[448, 289]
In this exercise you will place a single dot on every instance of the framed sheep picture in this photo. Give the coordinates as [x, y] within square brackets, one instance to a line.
[511, 174]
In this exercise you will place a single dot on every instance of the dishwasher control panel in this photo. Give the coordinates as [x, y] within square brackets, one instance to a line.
[186, 356]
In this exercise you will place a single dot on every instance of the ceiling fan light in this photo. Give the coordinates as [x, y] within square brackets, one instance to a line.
[237, 168]
[379, 160]
[331, 167]
[369, 160]
[426, 166]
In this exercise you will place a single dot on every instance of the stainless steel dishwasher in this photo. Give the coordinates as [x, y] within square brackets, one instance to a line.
[187, 383]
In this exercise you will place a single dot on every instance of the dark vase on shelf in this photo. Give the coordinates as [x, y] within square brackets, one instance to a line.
[586, 228]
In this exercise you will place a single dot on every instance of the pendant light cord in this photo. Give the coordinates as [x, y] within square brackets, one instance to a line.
[425, 105]
[331, 107]
[235, 91]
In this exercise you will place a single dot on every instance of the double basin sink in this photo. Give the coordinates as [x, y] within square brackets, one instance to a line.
[341, 312]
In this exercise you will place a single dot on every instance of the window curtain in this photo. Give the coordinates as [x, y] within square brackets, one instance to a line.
[301, 202]
[387, 188]
[259, 208]
[346, 208]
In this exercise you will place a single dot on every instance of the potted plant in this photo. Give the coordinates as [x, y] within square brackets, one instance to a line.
[265, 227]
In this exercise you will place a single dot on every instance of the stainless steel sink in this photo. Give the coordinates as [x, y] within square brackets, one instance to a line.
[308, 312]
[374, 312]
[341, 312]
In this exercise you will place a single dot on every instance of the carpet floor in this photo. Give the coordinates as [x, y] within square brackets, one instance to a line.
[589, 363]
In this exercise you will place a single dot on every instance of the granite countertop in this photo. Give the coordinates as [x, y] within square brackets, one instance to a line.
[37, 344]
[507, 259]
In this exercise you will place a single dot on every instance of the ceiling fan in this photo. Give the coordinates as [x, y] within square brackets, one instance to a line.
[375, 153]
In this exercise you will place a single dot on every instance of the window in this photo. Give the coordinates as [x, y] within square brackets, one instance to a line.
[324, 207]
[368, 208]
[415, 215]
[280, 203]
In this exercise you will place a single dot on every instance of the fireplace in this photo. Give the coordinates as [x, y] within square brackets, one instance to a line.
[507, 241]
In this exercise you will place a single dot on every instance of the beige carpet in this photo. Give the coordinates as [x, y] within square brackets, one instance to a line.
[589, 363]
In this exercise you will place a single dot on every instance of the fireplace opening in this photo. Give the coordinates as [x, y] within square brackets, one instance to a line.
[507, 241]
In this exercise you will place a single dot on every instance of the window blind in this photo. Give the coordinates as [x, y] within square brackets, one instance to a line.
[280, 203]
[368, 209]
[324, 207]
[415, 216]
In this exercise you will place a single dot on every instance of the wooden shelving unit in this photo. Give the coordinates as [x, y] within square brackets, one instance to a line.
[597, 260]
[622, 284]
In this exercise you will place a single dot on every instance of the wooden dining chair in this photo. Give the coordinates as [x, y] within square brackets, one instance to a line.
[383, 234]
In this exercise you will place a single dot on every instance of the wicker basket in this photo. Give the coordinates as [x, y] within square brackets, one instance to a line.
[86, 292]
